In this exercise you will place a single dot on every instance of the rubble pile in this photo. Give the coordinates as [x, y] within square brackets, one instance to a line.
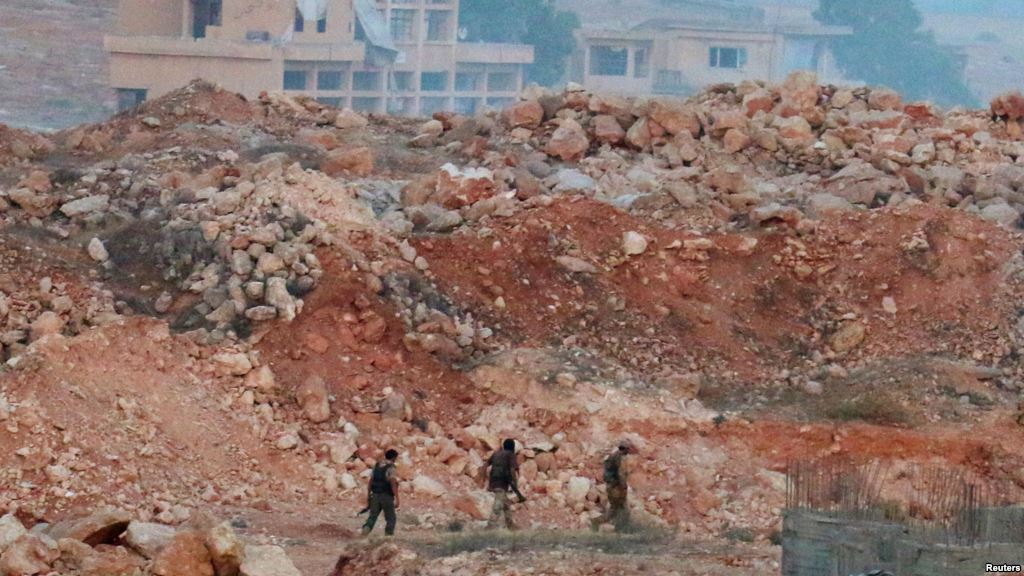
[110, 543]
[724, 280]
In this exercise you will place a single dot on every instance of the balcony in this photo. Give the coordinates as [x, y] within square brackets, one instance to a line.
[487, 53]
[165, 46]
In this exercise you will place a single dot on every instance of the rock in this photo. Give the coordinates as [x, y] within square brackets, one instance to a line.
[569, 141]
[10, 530]
[1009, 106]
[151, 122]
[185, 555]
[477, 505]
[639, 134]
[87, 561]
[37, 181]
[395, 407]
[36, 204]
[759, 100]
[428, 486]
[47, 324]
[457, 188]
[889, 305]
[432, 128]
[607, 130]
[277, 296]
[577, 489]
[97, 251]
[232, 363]
[821, 204]
[87, 205]
[270, 263]
[813, 388]
[267, 561]
[527, 114]
[885, 99]
[312, 397]
[29, 555]
[261, 379]
[102, 527]
[227, 552]
[633, 243]
[287, 441]
[675, 116]
[148, 539]
[1001, 213]
[848, 337]
[358, 162]
[572, 180]
[736, 140]
[573, 264]
[800, 93]
[226, 202]
[349, 118]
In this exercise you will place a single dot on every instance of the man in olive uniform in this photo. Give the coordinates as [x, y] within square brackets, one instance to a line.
[616, 478]
[382, 494]
[503, 478]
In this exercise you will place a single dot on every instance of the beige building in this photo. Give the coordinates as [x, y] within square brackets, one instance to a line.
[634, 48]
[396, 56]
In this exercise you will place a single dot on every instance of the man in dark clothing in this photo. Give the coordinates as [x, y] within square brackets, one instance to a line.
[616, 478]
[382, 494]
[503, 478]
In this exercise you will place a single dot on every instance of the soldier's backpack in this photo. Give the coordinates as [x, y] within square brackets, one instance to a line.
[612, 464]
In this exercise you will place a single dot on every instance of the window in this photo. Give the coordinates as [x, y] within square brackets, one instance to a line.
[294, 79]
[642, 62]
[366, 81]
[428, 106]
[434, 81]
[501, 82]
[332, 102]
[401, 25]
[466, 106]
[366, 104]
[401, 106]
[128, 98]
[329, 80]
[402, 82]
[728, 57]
[216, 12]
[608, 60]
[321, 25]
[300, 21]
[468, 81]
[438, 29]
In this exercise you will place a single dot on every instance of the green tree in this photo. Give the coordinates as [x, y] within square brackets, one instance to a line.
[889, 48]
[534, 22]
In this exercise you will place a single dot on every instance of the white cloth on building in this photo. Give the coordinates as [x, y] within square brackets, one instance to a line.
[313, 9]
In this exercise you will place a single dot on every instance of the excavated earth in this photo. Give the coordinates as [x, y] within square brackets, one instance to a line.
[214, 309]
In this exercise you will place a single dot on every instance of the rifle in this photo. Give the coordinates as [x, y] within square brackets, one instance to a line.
[515, 490]
[363, 511]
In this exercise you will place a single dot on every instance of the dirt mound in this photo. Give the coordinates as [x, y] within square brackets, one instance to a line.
[217, 304]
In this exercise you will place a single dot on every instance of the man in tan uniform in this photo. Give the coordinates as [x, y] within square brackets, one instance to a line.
[616, 478]
[503, 477]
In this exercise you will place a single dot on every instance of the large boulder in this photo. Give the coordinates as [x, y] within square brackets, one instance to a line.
[227, 552]
[186, 555]
[358, 162]
[312, 396]
[569, 141]
[675, 116]
[527, 114]
[102, 527]
[607, 130]
[147, 538]
[29, 555]
[267, 561]
[10, 530]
